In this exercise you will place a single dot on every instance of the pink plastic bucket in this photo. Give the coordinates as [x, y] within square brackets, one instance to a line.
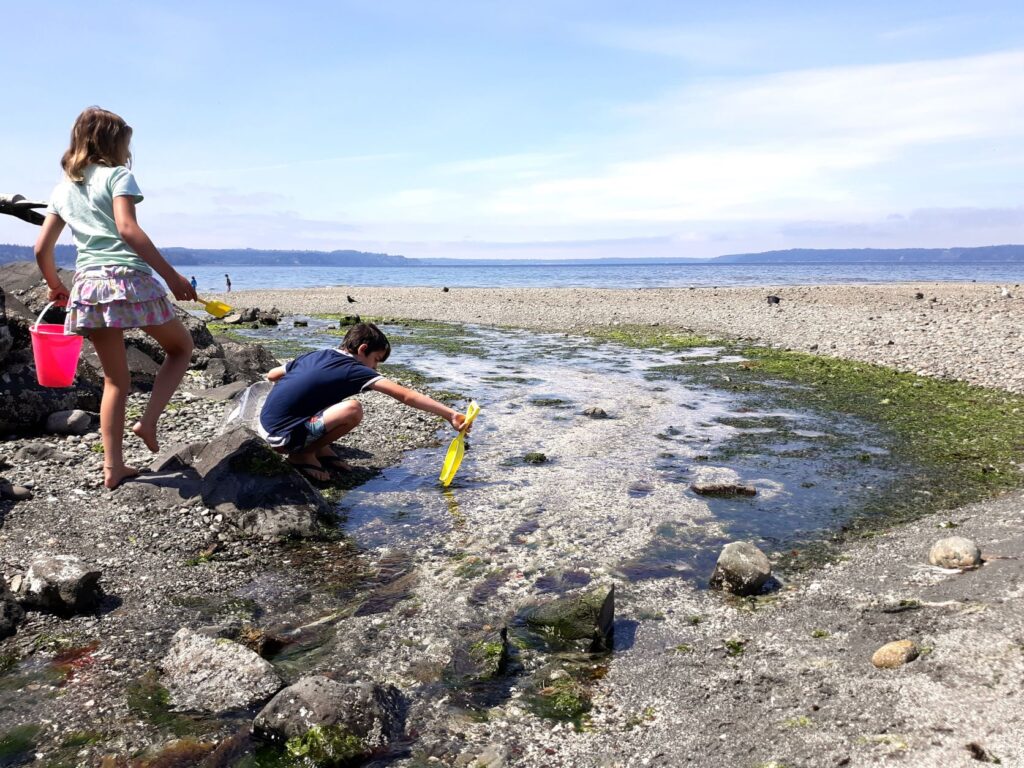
[56, 353]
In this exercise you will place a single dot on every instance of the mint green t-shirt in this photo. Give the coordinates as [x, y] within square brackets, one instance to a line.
[88, 208]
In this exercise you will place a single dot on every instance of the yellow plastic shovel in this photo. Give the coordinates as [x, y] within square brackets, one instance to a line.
[458, 447]
[216, 308]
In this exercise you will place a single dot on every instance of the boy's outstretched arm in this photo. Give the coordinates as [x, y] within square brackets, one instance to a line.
[275, 373]
[419, 401]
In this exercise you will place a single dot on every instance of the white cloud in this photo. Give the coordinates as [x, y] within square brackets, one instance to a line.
[515, 165]
[781, 145]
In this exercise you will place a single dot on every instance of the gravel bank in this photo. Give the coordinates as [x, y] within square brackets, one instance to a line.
[964, 331]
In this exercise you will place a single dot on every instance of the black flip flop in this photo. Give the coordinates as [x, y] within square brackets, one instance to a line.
[309, 472]
[335, 463]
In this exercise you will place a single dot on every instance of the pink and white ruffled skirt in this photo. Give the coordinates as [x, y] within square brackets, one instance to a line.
[115, 297]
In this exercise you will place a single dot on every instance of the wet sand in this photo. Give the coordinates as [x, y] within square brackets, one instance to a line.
[963, 331]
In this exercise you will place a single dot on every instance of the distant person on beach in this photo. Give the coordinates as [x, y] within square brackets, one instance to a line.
[304, 412]
[194, 283]
[227, 282]
[114, 287]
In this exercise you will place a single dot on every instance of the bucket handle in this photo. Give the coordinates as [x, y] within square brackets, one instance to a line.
[39, 319]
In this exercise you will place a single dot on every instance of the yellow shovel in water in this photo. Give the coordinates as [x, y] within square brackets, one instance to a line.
[216, 308]
[458, 447]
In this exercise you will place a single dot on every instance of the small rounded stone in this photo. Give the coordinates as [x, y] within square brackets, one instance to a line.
[895, 654]
[955, 552]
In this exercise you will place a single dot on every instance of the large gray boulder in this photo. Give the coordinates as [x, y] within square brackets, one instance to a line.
[61, 584]
[742, 569]
[368, 711]
[215, 675]
[256, 489]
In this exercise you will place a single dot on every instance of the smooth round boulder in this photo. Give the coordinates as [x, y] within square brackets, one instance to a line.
[73, 422]
[742, 569]
[895, 654]
[955, 552]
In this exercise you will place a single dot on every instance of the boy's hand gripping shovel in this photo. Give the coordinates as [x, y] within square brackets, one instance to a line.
[458, 447]
[216, 308]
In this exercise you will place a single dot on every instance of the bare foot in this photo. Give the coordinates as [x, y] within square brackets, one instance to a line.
[114, 476]
[148, 436]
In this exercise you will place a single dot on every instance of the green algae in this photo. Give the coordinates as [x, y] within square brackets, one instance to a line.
[564, 699]
[260, 461]
[325, 746]
[955, 442]
[17, 744]
[152, 702]
[447, 338]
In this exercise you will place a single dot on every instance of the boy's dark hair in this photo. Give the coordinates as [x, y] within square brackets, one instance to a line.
[368, 334]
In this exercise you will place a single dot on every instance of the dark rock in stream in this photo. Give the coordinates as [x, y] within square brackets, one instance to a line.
[11, 612]
[595, 412]
[742, 569]
[720, 481]
[583, 621]
[215, 675]
[368, 712]
[479, 659]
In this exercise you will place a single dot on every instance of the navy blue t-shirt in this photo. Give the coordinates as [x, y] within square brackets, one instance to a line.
[312, 382]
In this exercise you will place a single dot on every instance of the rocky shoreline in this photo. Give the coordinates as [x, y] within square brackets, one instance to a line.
[966, 331]
[696, 677]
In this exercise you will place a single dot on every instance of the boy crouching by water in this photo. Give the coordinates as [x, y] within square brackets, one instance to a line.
[304, 412]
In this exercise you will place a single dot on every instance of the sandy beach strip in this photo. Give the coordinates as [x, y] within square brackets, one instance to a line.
[965, 331]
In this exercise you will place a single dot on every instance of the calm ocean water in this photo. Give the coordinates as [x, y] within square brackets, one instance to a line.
[601, 276]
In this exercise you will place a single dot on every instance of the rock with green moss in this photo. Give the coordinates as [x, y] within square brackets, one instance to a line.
[350, 718]
[583, 620]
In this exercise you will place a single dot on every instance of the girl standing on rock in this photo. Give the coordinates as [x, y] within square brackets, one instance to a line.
[114, 287]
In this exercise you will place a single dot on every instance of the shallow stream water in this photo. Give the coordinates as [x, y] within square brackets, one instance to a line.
[611, 494]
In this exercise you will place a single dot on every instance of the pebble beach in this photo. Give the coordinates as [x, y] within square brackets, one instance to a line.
[963, 331]
[696, 678]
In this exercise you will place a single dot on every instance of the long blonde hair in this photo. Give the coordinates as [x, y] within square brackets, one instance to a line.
[100, 137]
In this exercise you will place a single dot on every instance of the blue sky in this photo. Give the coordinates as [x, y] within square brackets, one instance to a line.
[535, 129]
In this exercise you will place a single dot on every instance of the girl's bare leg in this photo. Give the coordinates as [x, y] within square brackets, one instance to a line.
[117, 384]
[177, 344]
